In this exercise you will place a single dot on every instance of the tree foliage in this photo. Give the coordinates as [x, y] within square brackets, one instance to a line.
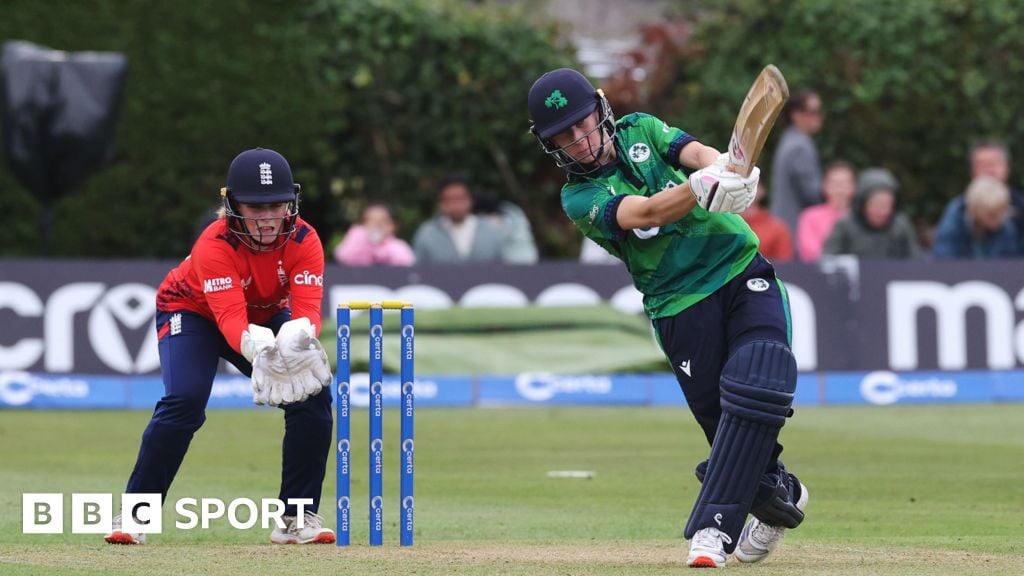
[417, 89]
[905, 85]
[375, 100]
[202, 85]
[368, 100]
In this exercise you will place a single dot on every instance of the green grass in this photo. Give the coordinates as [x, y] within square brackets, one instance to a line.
[894, 491]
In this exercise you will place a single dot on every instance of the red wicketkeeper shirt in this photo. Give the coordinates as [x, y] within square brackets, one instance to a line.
[233, 286]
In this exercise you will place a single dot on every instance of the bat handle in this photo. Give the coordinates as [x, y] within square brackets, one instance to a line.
[738, 161]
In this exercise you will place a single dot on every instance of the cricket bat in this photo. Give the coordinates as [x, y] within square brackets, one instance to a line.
[761, 107]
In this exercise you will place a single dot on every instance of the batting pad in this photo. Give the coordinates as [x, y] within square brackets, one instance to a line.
[757, 389]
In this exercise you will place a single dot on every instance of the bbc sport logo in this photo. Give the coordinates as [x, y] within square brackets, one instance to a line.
[93, 513]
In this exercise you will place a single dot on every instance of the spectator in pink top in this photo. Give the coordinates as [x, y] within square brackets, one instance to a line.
[815, 223]
[373, 241]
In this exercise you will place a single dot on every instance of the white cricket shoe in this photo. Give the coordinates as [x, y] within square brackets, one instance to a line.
[758, 539]
[116, 536]
[312, 531]
[707, 549]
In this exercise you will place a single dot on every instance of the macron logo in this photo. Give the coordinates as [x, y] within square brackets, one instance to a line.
[685, 367]
[216, 284]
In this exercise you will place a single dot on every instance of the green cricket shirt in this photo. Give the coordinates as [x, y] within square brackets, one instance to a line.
[673, 266]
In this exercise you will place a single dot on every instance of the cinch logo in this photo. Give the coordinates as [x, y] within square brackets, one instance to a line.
[307, 279]
[216, 284]
[143, 514]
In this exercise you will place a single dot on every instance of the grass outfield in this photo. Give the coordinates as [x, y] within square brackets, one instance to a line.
[894, 491]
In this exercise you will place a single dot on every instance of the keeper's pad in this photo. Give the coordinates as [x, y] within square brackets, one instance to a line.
[757, 388]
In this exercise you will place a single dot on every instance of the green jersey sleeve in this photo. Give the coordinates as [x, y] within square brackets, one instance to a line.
[592, 208]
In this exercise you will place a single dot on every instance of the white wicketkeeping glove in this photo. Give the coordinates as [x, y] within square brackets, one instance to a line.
[270, 377]
[260, 348]
[255, 339]
[718, 189]
[305, 359]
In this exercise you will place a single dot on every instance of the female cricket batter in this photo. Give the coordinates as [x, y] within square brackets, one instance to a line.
[720, 314]
[256, 271]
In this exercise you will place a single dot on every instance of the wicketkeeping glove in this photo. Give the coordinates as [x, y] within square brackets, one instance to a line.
[256, 339]
[270, 378]
[305, 359]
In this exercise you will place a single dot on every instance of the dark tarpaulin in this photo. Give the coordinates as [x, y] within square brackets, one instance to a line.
[60, 115]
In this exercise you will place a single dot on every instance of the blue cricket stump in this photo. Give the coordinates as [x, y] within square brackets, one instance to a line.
[376, 433]
[343, 405]
[408, 413]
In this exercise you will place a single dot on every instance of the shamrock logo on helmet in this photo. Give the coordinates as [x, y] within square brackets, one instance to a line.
[556, 99]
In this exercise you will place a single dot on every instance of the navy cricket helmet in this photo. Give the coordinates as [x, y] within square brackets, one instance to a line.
[260, 176]
[558, 100]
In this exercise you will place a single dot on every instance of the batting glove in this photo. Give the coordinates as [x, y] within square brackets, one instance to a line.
[720, 190]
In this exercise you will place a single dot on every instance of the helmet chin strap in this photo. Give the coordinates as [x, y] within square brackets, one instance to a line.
[600, 149]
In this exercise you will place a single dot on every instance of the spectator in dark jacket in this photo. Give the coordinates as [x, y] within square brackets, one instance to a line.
[992, 158]
[977, 224]
[873, 228]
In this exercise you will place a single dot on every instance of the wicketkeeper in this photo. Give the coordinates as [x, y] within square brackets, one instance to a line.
[255, 272]
[666, 205]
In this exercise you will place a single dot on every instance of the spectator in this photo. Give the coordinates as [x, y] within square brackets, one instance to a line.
[518, 246]
[992, 158]
[816, 222]
[776, 241]
[977, 223]
[373, 241]
[873, 228]
[456, 235]
[796, 171]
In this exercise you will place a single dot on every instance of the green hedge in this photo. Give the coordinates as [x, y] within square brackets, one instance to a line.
[370, 99]
[417, 88]
[376, 99]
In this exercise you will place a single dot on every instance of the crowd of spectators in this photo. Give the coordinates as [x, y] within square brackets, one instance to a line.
[812, 211]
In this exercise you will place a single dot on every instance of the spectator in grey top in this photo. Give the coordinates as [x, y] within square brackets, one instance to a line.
[456, 235]
[517, 242]
[796, 170]
[873, 228]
